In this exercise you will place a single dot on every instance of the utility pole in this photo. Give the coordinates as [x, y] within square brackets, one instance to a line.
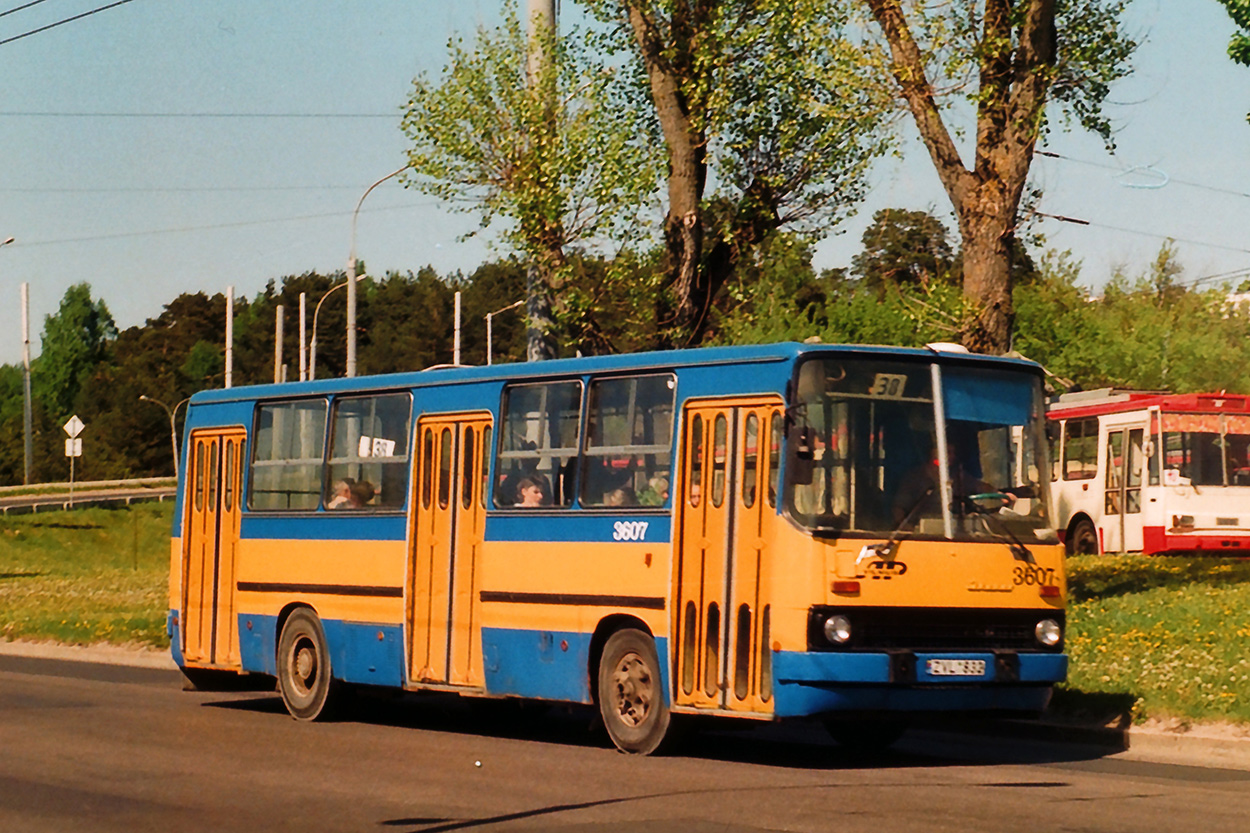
[26, 420]
[277, 344]
[303, 334]
[540, 322]
[351, 277]
[229, 336]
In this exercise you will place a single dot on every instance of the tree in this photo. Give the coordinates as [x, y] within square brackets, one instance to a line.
[768, 100]
[74, 341]
[903, 247]
[1239, 45]
[1010, 59]
[567, 167]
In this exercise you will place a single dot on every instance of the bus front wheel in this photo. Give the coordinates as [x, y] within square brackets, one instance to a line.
[631, 698]
[1083, 539]
[304, 668]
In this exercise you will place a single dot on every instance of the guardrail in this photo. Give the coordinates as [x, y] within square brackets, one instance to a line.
[134, 482]
[32, 499]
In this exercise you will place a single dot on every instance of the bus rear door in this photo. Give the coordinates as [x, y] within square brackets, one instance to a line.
[444, 609]
[725, 517]
[210, 552]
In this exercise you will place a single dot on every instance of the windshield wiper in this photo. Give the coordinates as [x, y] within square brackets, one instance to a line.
[1017, 547]
[887, 548]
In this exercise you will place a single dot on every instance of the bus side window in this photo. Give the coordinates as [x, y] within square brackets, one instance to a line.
[538, 443]
[288, 456]
[627, 456]
[369, 451]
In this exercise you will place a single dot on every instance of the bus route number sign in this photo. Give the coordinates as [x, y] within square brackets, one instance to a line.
[888, 385]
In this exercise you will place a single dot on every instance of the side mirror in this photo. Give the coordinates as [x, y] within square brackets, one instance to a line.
[802, 463]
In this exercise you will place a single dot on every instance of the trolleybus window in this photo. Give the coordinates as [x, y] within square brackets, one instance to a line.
[538, 443]
[1080, 449]
[629, 438]
[1205, 450]
[290, 451]
[369, 452]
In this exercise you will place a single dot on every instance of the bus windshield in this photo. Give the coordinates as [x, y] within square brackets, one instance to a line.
[1204, 450]
[863, 450]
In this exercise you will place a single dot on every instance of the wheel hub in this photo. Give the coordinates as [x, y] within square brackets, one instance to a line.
[634, 689]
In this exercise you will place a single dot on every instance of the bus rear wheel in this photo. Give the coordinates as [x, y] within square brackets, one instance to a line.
[304, 680]
[631, 697]
[1083, 538]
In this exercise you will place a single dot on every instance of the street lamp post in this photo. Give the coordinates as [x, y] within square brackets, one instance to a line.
[351, 278]
[491, 315]
[173, 426]
[312, 343]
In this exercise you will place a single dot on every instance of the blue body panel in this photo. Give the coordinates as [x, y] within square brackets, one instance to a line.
[808, 683]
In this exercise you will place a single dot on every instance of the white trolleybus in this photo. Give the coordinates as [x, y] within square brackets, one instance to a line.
[1152, 472]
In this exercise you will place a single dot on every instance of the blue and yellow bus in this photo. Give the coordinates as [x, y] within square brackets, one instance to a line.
[853, 533]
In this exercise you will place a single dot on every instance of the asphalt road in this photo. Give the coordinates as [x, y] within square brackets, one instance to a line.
[87, 747]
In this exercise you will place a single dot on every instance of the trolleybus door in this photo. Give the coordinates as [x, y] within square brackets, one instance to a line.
[1122, 496]
[726, 512]
[444, 613]
[210, 550]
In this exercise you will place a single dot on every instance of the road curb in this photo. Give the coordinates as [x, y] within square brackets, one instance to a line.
[1195, 747]
[137, 657]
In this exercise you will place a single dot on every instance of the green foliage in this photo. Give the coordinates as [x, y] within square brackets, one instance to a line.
[1151, 332]
[1239, 46]
[74, 340]
[904, 247]
[571, 162]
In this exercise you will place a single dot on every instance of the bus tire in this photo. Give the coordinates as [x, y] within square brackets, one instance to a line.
[304, 680]
[866, 736]
[631, 697]
[1082, 538]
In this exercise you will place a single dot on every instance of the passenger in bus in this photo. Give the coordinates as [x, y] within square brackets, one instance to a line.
[361, 493]
[531, 492]
[342, 494]
[623, 496]
[917, 494]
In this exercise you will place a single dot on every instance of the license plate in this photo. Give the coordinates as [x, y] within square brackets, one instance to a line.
[955, 667]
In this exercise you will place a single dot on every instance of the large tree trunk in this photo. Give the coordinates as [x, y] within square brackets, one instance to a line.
[1013, 85]
[986, 225]
[687, 154]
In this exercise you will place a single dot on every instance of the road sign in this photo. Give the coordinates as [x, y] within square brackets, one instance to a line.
[73, 447]
[73, 426]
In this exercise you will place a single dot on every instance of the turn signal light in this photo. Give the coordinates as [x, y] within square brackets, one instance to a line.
[846, 587]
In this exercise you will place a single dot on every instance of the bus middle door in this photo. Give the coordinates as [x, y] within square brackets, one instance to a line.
[444, 616]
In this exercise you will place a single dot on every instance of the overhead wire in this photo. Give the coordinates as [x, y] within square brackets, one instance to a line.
[61, 22]
[21, 8]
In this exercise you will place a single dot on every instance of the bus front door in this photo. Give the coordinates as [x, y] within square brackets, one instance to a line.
[726, 511]
[1122, 497]
[210, 548]
[449, 513]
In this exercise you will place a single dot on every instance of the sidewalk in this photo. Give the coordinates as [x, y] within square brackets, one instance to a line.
[1218, 746]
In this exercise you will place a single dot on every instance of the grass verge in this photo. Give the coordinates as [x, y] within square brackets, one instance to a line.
[86, 576]
[1158, 637]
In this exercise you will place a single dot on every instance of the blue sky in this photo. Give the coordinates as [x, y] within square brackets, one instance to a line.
[145, 207]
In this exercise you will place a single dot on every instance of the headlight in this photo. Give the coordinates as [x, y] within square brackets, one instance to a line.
[838, 629]
[1048, 632]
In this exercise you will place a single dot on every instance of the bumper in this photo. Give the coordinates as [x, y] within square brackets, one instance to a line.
[814, 683]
